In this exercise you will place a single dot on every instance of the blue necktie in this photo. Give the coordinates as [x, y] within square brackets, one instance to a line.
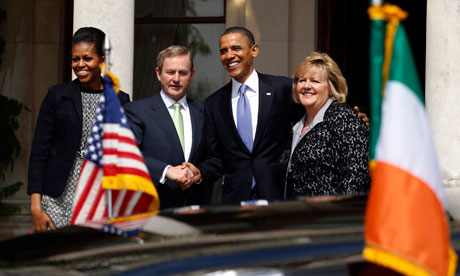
[244, 118]
[244, 121]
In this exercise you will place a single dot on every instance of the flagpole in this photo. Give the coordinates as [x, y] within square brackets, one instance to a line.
[107, 49]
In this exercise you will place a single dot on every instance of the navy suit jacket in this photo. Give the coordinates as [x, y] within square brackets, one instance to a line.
[158, 140]
[226, 153]
[57, 138]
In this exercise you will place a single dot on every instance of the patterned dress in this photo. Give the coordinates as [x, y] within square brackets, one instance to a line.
[60, 209]
[331, 159]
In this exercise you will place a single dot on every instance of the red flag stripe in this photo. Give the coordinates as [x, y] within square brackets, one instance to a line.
[121, 139]
[90, 171]
[113, 162]
[124, 199]
[130, 224]
[118, 201]
[123, 154]
[115, 143]
[101, 209]
[133, 200]
[94, 206]
[143, 203]
[114, 170]
[92, 190]
[121, 147]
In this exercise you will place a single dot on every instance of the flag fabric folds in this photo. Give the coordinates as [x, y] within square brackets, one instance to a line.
[113, 173]
[406, 228]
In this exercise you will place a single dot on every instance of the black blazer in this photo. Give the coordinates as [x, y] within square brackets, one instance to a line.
[159, 143]
[331, 159]
[57, 138]
[226, 153]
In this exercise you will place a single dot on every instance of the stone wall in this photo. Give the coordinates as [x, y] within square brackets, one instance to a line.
[32, 61]
[284, 30]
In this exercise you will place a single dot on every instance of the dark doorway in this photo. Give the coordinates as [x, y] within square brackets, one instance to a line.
[67, 29]
[343, 33]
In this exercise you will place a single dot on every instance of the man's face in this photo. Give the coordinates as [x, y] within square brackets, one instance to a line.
[175, 76]
[236, 56]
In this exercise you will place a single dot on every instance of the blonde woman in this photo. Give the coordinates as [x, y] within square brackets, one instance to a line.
[328, 153]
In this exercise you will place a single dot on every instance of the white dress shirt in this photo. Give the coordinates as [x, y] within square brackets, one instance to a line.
[252, 92]
[185, 111]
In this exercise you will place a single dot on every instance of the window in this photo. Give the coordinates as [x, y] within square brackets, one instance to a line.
[196, 24]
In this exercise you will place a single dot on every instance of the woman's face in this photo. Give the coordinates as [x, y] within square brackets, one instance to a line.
[313, 90]
[85, 65]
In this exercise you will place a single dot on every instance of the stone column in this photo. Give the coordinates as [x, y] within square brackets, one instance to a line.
[283, 42]
[442, 92]
[116, 19]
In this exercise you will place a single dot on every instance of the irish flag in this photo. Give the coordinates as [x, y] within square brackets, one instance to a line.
[406, 228]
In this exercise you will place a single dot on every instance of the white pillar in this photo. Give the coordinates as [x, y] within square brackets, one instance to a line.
[283, 42]
[442, 92]
[116, 19]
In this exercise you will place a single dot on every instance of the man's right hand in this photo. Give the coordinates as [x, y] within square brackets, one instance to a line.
[196, 176]
[363, 116]
[196, 172]
[181, 175]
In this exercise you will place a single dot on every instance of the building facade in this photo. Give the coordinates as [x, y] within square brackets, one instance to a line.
[38, 46]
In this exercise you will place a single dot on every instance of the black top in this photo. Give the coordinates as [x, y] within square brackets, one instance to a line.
[57, 138]
[331, 159]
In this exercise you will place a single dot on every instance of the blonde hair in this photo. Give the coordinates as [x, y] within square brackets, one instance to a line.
[323, 62]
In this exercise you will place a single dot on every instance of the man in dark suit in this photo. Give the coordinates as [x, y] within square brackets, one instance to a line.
[168, 129]
[243, 143]
[248, 164]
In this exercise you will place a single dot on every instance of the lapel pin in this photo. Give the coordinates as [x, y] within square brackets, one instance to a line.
[269, 93]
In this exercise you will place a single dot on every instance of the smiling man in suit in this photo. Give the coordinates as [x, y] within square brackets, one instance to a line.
[247, 123]
[168, 129]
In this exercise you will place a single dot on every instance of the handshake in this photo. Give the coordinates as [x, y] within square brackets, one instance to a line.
[186, 175]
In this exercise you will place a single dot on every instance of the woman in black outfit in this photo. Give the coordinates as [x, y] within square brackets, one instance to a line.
[328, 153]
[63, 125]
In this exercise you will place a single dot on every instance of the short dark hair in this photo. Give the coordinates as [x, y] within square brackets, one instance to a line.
[90, 35]
[243, 31]
[173, 51]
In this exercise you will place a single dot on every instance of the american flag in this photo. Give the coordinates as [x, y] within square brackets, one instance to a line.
[113, 165]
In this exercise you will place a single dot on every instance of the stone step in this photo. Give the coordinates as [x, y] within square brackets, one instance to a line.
[17, 224]
[11, 230]
[21, 203]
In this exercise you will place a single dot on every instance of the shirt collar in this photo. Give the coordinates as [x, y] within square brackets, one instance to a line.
[252, 82]
[318, 118]
[320, 115]
[169, 102]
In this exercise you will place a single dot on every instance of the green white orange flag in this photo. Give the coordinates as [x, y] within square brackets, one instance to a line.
[406, 228]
